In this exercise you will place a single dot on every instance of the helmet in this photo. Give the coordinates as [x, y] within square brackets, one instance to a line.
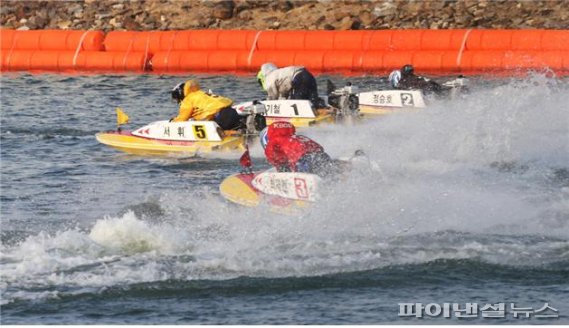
[181, 90]
[264, 137]
[191, 86]
[178, 92]
[407, 70]
[280, 129]
[394, 78]
[263, 72]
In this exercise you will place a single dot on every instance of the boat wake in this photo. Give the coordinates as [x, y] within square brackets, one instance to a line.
[482, 180]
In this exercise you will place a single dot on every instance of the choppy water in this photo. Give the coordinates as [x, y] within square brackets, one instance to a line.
[469, 203]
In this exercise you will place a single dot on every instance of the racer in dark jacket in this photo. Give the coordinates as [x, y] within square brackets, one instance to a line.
[405, 79]
[289, 152]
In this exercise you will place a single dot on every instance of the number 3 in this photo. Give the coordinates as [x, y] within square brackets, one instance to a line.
[301, 188]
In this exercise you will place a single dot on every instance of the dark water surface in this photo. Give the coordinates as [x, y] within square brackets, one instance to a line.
[465, 202]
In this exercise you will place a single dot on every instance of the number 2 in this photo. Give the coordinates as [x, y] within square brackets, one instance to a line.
[407, 100]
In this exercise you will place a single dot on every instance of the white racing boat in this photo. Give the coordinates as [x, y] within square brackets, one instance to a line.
[349, 100]
[301, 113]
[187, 138]
[284, 192]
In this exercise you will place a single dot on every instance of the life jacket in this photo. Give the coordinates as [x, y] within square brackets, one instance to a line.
[201, 106]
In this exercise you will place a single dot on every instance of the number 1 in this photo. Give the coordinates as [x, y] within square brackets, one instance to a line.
[295, 107]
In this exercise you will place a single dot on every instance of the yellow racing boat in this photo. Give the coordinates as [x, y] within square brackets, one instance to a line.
[174, 138]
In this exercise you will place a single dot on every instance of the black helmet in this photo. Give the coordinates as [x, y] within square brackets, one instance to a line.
[178, 92]
[407, 70]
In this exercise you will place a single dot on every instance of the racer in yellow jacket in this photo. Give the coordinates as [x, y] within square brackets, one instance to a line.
[201, 106]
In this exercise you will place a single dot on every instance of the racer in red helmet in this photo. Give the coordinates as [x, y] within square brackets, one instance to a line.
[289, 152]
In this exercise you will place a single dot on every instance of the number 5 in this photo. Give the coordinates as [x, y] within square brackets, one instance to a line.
[199, 132]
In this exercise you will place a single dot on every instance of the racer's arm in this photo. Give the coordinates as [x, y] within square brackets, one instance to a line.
[185, 113]
[272, 92]
[276, 157]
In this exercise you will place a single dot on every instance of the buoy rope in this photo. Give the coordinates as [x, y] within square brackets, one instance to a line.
[253, 47]
[79, 46]
[462, 46]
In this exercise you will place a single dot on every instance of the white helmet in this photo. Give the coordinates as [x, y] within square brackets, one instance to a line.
[264, 137]
[394, 78]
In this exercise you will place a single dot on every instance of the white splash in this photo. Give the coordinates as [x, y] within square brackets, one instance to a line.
[467, 179]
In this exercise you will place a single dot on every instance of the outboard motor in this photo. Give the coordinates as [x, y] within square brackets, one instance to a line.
[345, 99]
[255, 121]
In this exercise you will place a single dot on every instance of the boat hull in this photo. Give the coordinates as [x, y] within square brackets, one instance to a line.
[303, 122]
[126, 142]
[239, 189]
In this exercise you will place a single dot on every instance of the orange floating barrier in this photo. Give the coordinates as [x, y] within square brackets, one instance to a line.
[319, 40]
[202, 40]
[156, 41]
[518, 40]
[406, 40]
[148, 42]
[380, 40]
[350, 40]
[555, 40]
[278, 57]
[222, 61]
[17, 60]
[312, 60]
[341, 61]
[371, 61]
[527, 40]
[429, 61]
[59, 61]
[220, 40]
[283, 40]
[236, 39]
[396, 59]
[30, 60]
[489, 40]
[442, 39]
[52, 40]
[496, 60]
[7, 38]
[346, 52]
[178, 61]
[114, 61]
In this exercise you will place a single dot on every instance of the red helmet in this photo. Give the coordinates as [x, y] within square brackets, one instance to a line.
[280, 129]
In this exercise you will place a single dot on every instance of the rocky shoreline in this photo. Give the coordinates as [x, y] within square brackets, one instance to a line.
[110, 15]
